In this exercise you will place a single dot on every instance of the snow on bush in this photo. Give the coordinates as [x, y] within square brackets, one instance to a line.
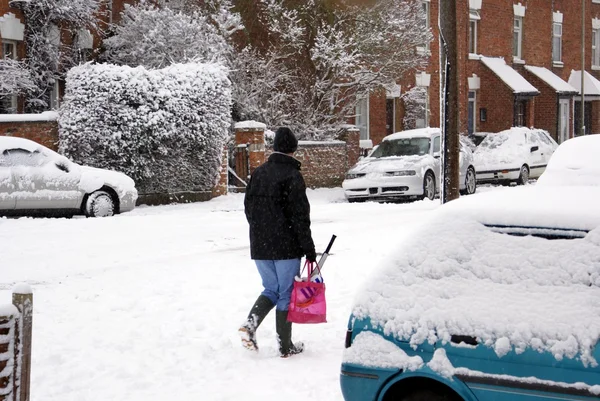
[164, 128]
[156, 37]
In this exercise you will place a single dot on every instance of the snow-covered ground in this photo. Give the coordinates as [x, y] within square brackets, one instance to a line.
[146, 305]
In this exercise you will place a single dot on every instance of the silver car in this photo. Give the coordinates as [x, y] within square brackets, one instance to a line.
[406, 165]
[35, 180]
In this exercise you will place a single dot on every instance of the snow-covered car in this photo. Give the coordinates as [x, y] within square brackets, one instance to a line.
[495, 297]
[513, 156]
[37, 180]
[575, 162]
[405, 165]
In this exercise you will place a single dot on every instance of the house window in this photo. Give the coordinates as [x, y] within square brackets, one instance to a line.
[557, 42]
[362, 117]
[426, 21]
[473, 18]
[518, 37]
[422, 120]
[8, 104]
[54, 96]
[596, 47]
[472, 108]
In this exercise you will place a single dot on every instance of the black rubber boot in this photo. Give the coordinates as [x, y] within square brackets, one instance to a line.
[284, 335]
[259, 311]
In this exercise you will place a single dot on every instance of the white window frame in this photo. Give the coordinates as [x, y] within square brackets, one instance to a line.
[518, 51]
[556, 50]
[427, 6]
[473, 28]
[13, 43]
[55, 96]
[474, 101]
[362, 117]
[596, 48]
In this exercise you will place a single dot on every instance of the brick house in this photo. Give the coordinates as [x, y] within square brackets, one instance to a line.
[519, 65]
[12, 29]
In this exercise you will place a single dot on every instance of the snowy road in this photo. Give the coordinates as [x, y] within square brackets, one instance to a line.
[146, 305]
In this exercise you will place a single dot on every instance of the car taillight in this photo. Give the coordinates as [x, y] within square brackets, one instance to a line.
[348, 342]
[504, 171]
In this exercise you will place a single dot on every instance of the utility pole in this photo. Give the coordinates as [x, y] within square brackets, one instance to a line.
[449, 89]
[582, 129]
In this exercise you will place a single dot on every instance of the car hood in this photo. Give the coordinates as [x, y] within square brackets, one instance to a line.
[93, 179]
[384, 164]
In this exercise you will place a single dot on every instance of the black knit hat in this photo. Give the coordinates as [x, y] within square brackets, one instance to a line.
[285, 141]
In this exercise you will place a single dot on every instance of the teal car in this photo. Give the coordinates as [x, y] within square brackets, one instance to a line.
[497, 297]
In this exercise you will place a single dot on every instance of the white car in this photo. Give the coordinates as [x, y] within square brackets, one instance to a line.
[574, 163]
[513, 156]
[405, 165]
[35, 180]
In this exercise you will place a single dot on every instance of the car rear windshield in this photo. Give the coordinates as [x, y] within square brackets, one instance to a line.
[402, 147]
[493, 141]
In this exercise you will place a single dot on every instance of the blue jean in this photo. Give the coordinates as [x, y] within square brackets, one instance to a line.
[278, 280]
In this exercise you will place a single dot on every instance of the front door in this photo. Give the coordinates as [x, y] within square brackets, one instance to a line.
[564, 105]
[587, 118]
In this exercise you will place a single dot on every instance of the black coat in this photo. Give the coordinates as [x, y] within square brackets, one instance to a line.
[278, 211]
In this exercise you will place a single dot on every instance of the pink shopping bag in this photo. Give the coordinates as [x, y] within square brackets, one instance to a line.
[307, 303]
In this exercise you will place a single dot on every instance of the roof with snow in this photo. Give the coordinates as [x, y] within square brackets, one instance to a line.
[509, 76]
[591, 85]
[554, 81]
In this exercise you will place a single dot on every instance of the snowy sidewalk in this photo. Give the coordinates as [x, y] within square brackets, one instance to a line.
[146, 305]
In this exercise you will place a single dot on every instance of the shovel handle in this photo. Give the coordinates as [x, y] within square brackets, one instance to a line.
[333, 237]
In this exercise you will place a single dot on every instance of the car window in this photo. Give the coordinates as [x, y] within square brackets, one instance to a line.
[544, 138]
[23, 157]
[402, 147]
[436, 144]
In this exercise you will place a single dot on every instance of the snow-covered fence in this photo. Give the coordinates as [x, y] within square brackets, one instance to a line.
[15, 345]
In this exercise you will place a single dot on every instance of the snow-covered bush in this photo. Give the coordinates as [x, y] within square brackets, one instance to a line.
[155, 37]
[415, 102]
[165, 128]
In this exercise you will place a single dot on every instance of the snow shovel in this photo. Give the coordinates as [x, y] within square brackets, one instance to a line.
[321, 261]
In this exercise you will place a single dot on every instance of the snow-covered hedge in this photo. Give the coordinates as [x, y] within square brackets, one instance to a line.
[165, 128]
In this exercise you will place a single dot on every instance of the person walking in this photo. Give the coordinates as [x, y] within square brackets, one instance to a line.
[278, 213]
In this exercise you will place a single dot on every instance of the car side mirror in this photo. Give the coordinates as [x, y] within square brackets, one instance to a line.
[437, 155]
[62, 166]
[535, 148]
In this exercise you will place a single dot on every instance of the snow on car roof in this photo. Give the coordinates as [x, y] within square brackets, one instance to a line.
[457, 276]
[413, 133]
[574, 163]
[10, 142]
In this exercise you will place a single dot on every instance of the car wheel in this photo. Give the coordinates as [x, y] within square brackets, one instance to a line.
[470, 182]
[428, 186]
[523, 176]
[427, 395]
[99, 204]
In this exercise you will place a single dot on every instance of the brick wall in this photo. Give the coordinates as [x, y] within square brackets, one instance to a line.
[377, 120]
[497, 102]
[44, 132]
[546, 106]
[324, 165]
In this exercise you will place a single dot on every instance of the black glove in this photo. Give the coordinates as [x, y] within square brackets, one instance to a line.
[311, 256]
